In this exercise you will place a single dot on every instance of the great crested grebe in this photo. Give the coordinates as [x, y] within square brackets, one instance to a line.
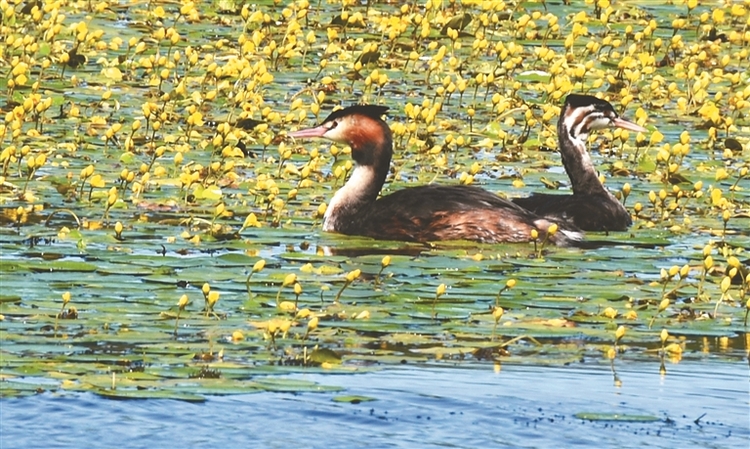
[422, 214]
[591, 207]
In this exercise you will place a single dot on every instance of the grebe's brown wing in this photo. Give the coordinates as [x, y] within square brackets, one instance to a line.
[598, 212]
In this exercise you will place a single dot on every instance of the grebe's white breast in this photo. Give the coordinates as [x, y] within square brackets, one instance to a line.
[350, 196]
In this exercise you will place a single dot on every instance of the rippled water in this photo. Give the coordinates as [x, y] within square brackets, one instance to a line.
[519, 406]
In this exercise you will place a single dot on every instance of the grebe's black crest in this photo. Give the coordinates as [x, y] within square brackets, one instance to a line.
[579, 101]
[368, 110]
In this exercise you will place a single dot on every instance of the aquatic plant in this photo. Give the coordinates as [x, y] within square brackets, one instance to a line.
[140, 163]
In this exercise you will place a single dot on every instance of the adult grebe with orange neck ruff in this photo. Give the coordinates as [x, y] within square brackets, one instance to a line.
[420, 214]
[591, 207]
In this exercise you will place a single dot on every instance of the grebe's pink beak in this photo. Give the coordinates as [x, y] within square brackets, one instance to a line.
[318, 131]
[630, 126]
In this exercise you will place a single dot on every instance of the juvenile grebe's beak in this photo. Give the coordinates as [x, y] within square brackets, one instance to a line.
[630, 126]
[318, 131]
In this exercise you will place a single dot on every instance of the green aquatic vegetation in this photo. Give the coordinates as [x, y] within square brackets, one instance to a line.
[618, 417]
[144, 155]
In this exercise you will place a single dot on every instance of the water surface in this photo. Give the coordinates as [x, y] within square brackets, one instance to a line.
[466, 407]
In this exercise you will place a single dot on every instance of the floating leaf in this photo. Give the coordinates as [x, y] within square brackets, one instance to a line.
[149, 394]
[353, 399]
[591, 416]
[324, 355]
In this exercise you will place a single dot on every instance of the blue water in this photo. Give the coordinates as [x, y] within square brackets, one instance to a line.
[519, 406]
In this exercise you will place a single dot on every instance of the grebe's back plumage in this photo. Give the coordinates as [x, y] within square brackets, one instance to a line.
[591, 207]
[437, 212]
[425, 213]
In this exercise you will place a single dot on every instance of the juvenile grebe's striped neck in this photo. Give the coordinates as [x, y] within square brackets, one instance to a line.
[573, 132]
[580, 115]
[591, 207]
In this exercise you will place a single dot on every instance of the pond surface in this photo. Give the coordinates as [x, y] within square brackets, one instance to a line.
[466, 407]
[160, 235]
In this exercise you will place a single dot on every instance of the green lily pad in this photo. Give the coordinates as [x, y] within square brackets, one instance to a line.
[352, 399]
[65, 266]
[324, 355]
[622, 417]
[149, 394]
[294, 386]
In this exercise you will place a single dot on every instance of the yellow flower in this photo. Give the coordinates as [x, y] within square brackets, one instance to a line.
[290, 279]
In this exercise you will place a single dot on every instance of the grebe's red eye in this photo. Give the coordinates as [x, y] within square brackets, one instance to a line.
[332, 124]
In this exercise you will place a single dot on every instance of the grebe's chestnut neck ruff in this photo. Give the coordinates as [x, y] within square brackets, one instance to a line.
[425, 213]
[591, 207]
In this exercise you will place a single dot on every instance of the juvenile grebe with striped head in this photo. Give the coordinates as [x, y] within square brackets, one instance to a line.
[591, 207]
[421, 214]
